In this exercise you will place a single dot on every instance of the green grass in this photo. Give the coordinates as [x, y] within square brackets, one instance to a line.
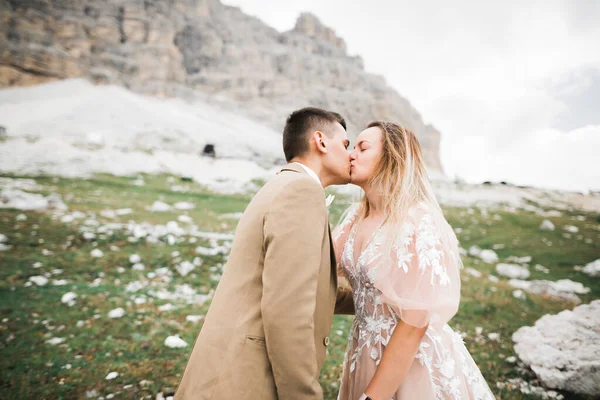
[133, 345]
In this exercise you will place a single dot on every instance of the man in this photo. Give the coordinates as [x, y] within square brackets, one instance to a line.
[266, 332]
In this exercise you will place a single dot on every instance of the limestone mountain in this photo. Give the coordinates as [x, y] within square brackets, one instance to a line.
[183, 48]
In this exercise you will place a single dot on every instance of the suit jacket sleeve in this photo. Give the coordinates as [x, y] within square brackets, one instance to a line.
[294, 230]
[344, 303]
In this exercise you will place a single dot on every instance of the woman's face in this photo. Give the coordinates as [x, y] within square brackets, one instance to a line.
[365, 156]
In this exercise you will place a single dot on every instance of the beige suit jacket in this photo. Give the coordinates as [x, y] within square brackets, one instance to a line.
[266, 332]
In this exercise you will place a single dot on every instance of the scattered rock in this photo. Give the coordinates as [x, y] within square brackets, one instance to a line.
[473, 272]
[14, 198]
[96, 253]
[166, 307]
[134, 258]
[116, 313]
[564, 289]
[237, 215]
[55, 340]
[185, 268]
[512, 271]
[68, 298]
[527, 388]
[111, 376]
[207, 251]
[175, 342]
[194, 318]
[134, 286]
[89, 236]
[39, 280]
[159, 206]
[593, 268]
[185, 219]
[138, 267]
[519, 294]
[519, 260]
[546, 225]
[564, 349]
[488, 256]
[541, 268]
[184, 205]
[571, 228]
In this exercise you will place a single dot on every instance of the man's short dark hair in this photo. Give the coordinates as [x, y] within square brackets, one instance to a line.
[303, 122]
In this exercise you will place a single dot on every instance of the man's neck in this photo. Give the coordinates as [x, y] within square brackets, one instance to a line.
[313, 165]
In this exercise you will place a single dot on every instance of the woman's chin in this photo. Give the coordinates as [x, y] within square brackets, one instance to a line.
[354, 180]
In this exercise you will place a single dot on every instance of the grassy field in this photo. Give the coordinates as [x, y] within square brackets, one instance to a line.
[94, 345]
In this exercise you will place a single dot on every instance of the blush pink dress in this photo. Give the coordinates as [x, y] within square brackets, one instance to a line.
[419, 284]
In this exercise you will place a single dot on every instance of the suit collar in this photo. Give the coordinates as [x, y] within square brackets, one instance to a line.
[295, 168]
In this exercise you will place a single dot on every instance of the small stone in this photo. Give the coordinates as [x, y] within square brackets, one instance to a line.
[175, 342]
[96, 253]
[39, 280]
[116, 313]
[512, 271]
[593, 268]
[194, 318]
[55, 340]
[68, 298]
[546, 225]
[571, 228]
[111, 375]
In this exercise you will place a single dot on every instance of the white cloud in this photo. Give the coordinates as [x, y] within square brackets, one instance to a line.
[490, 76]
[546, 158]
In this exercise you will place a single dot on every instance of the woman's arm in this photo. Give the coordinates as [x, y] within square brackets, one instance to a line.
[397, 358]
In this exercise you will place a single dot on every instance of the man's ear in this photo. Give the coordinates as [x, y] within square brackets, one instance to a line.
[318, 137]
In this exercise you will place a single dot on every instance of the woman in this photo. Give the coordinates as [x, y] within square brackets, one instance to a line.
[401, 259]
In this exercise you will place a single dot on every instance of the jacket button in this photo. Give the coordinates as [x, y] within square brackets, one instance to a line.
[326, 341]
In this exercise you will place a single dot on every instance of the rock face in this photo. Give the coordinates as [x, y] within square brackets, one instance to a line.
[182, 47]
[564, 349]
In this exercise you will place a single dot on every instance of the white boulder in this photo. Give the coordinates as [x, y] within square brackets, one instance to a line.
[546, 225]
[513, 271]
[564, 349]
[488, 256]
[160, 206]
[571, 228]
[116, 313]
[593, 268]
[175, 342]
[564, 289]
[68, 298]
[39, 280]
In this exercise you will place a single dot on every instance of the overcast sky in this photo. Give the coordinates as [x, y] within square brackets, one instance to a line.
[513, 86]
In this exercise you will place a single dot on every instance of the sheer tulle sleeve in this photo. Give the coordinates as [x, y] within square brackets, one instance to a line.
[421, 281]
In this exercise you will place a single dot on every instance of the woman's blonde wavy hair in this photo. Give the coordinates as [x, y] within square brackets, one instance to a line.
[400, 178]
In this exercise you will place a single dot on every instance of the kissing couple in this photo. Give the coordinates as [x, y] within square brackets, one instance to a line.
[265, 335]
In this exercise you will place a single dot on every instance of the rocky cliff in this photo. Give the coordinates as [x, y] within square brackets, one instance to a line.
[180, 48]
